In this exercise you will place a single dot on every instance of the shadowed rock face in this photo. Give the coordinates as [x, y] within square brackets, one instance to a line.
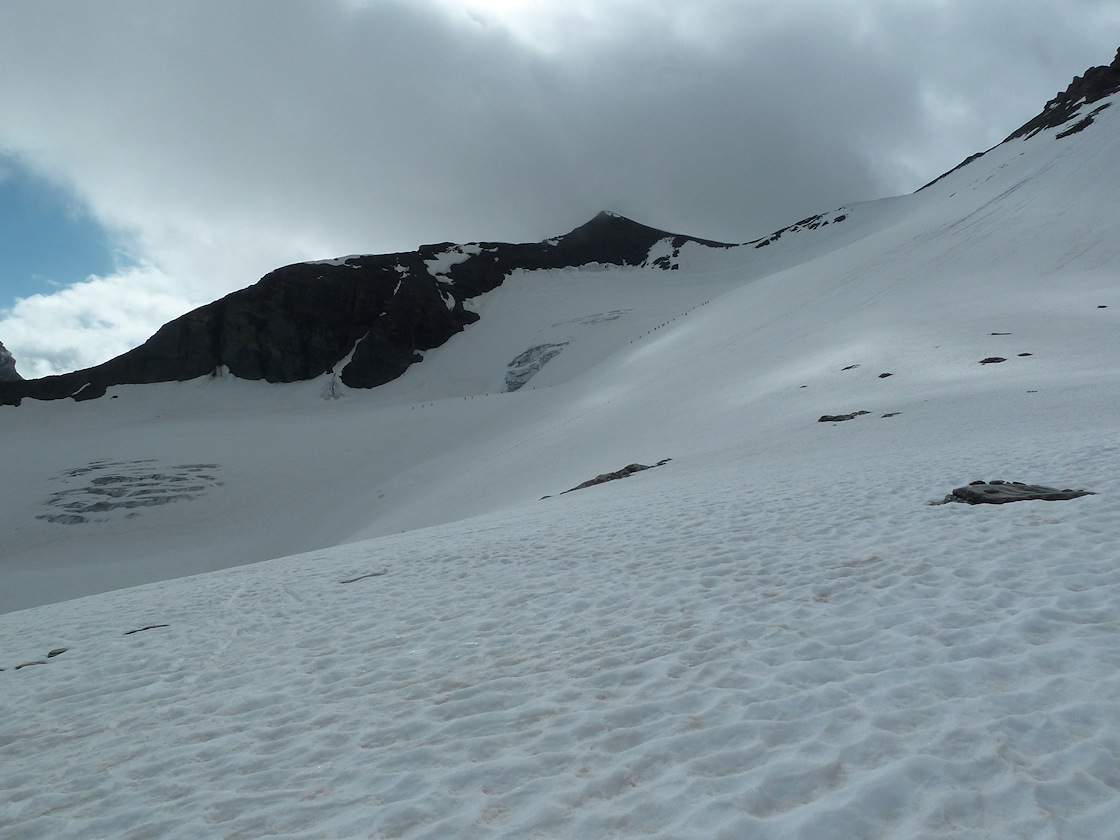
[8, 372]
[366, 318]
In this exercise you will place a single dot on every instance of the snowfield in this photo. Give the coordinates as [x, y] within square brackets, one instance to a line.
[773, 635]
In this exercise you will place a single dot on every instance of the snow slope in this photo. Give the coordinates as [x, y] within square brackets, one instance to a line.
[772, 635]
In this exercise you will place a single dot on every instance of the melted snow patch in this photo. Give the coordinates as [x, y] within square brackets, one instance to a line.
[662, 253]
[441, 263]
[349, 261]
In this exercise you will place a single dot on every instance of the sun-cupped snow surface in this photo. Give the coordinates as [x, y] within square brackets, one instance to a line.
[818, 655]
[773, 635]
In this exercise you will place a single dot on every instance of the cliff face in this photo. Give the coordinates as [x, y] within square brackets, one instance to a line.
[8, 372]
[366, 318]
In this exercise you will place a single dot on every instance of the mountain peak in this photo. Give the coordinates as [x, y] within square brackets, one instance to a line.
[1063, 109]
[628, 239]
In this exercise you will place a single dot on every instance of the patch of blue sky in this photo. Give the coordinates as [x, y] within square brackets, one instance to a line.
[48, 240]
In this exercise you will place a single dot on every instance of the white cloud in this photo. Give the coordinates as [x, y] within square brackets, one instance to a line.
[220, 140]
[88, 322]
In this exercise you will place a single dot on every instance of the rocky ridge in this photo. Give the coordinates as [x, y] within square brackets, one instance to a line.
[365, 319]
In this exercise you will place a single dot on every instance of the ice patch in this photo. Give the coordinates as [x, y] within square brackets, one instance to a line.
[528, 364]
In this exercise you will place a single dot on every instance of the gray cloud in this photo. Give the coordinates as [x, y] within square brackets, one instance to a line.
[219, 140]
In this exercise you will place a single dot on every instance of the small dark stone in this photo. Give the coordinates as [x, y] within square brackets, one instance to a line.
[56, 652]
[839, 418]
[850, 367]
[999, 333]
[974, 483]
[363, 577]
[1026, 354]
[992, 360]
[891, 414]
[1102, 306]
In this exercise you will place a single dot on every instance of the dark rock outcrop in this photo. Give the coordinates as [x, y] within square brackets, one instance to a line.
[603, 478]
[8, 372]
[840, 418]
[367, 318]
[810, 223]
[1002, 492]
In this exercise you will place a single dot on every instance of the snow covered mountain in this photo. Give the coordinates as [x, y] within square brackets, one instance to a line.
[771, 634]
[362, 319]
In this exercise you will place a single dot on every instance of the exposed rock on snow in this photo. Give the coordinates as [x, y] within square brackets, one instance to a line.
[810, 223]
[839, 418]
[603, 478]
[1000, 492]
[381, 573]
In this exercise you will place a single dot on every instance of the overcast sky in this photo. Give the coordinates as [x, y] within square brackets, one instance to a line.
[157, 155]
